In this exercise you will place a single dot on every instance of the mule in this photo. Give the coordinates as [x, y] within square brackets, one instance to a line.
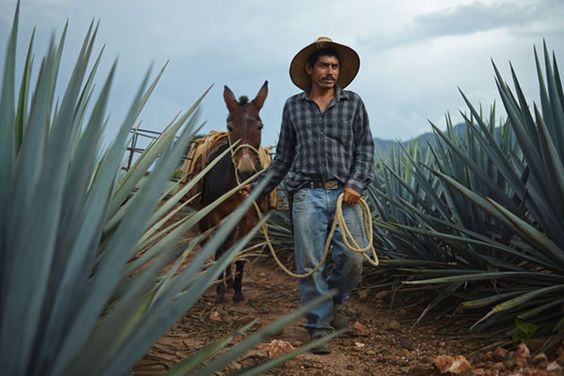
[244, 125]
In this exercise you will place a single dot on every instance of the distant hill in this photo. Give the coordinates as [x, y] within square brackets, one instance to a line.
[383, 147]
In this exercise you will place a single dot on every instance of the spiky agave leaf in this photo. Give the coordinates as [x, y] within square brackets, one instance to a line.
[68, 301]
[493, 201]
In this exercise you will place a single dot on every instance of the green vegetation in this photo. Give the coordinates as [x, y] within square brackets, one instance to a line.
[477, 222]
[90, 268]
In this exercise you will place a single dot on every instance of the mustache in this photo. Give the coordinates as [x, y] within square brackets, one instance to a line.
[329, 78]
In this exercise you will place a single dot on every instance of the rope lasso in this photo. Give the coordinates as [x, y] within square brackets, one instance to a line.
[368, 251]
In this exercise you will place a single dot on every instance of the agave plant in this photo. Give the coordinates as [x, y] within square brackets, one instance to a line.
[89, 255]
[479, 219]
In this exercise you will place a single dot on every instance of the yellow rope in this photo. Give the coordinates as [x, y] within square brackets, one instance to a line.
[367, 251]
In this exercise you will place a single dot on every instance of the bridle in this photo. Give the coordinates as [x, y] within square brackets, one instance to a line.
[234, 152]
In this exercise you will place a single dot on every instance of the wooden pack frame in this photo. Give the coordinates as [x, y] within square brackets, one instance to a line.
[196, 161]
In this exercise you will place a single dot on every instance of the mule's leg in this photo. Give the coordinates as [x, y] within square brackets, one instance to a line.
[228, 278]
[220, 289]
[237, 284]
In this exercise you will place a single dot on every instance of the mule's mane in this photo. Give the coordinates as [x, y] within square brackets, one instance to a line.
[243, 100]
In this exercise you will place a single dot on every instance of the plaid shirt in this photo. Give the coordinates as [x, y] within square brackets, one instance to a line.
[313, 146]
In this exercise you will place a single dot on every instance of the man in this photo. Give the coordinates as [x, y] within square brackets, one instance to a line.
[325, 147]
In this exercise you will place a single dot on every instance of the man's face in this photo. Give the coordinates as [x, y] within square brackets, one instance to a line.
[324, 73]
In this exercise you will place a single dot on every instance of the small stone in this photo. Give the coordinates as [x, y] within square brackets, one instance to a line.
[498, 366]
[382, 294]
[452, 364]
[500, 353]
[522, 351]
[309, 364]
[233, 366]
[489, 355]
[553, 366]
[291, 364]
[360, 329]
[215, 316]
[350, 367]
[278, 347]
[359, 345]
[394, 325]
[363, 295]
[405, 369]
[479, 372]
[540, 360]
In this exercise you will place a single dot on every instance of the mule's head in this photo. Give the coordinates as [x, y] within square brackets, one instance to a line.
[244, 125]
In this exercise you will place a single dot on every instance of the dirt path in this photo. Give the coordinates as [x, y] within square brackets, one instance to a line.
[383, 344]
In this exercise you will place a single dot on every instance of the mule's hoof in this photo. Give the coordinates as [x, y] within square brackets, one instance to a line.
[220, 299]
[238, 297]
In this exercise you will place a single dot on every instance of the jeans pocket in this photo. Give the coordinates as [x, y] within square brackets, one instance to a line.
[299, 196]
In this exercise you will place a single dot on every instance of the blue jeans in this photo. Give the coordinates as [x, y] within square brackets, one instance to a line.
[312, 215]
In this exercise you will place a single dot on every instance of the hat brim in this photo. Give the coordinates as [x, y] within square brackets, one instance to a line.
[349, 64]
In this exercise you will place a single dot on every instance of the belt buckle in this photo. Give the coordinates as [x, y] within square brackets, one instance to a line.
[331, 184]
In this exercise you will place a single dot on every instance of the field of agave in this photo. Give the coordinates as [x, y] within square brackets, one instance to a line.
[90, 268]
[477, 222]
[90, 272]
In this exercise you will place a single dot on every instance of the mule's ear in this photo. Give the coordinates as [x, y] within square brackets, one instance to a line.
[230, 99]
[261, 96]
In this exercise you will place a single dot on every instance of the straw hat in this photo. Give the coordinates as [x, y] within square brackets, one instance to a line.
[350, 63]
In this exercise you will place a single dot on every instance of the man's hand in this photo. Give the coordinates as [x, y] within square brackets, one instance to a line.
[245, 190]
[350, 196]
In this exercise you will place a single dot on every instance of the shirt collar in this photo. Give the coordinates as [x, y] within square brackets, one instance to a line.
[340, 94]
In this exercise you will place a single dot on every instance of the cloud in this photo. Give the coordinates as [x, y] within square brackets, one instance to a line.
[415, 54]
[543, 16]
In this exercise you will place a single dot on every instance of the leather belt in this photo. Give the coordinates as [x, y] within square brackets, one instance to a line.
[329, 184]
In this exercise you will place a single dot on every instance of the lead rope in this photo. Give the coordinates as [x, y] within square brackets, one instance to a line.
[368, 251]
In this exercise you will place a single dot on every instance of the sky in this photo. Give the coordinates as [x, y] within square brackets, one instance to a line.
[415, 54]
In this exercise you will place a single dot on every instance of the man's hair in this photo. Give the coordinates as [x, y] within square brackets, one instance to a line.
[325, 51]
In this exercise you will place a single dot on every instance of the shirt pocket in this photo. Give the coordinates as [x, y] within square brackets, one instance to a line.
[340, 131]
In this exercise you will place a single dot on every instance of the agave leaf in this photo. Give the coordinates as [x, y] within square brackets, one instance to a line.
[141, 339]
[533, 235]
[21, 115]
[517, 301]
[489, 300]
[7, 162]
[50, 183]
[269, 364]
[184, 190]
[254, 339]
[483, 276]
[170, 236]
[555, 165]
[194, 361]
[119, 322]
[541, 308]
[81, 261]
[129, 181]
[119, 250]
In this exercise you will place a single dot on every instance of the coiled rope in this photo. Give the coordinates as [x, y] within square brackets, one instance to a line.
[368, 251]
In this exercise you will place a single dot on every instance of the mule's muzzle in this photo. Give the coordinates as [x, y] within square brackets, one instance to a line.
[246, 166]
